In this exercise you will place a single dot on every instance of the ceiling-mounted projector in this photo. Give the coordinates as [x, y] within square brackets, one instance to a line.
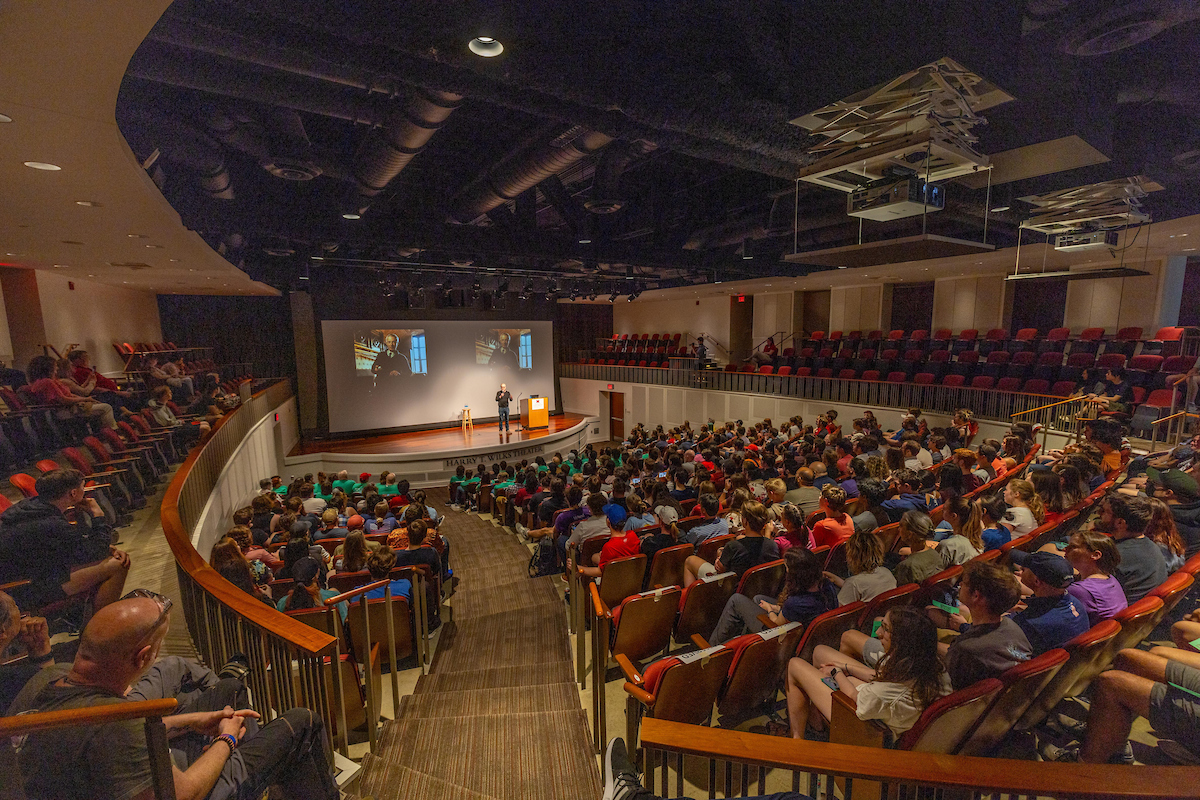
[894, 200]
[1088, 240]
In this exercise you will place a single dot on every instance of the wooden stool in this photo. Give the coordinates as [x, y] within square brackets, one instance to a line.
[466, 419]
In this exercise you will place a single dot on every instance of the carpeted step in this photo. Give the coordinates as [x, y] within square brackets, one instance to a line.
[537, 756]
[389, 781]
[495, 678]
[504, 640]
[490, 701]
[517, 597]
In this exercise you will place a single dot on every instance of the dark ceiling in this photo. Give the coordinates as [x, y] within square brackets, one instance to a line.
[274, 118]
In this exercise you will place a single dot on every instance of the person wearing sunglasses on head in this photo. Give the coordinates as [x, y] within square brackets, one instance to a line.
[219, 750]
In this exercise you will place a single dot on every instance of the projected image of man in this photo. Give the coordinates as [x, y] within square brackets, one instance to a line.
[504, 355]
[391, 363]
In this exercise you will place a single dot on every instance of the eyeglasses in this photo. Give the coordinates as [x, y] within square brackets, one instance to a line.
[164, 606]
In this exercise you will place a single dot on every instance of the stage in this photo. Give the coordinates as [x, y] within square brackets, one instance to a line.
[429, 458]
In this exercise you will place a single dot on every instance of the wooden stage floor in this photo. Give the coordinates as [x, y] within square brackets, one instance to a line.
[432, 441]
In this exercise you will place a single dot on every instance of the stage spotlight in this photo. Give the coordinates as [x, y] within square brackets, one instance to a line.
[613, 298]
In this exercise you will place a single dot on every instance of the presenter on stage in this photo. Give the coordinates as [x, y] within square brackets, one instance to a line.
[503, 398]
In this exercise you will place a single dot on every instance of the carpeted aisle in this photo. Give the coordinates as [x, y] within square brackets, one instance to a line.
[498, 715]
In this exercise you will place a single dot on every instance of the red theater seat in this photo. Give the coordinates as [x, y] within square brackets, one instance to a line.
[1036, 386]
[953, 380]
[983, 382]
[897, 377]
[1008, 385]
[923, 379]
[871, 375]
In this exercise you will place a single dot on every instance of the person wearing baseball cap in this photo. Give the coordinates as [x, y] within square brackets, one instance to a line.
[1052, 616]
[1179, 491]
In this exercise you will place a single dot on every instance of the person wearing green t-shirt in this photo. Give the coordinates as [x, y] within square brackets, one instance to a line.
[344, 482]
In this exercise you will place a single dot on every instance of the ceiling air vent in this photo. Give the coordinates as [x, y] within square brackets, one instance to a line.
[134, 265]
[292, 170]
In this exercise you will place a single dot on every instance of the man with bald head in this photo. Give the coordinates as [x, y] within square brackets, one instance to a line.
[218, 749]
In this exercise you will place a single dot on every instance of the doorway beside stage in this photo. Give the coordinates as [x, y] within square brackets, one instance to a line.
[612, 415]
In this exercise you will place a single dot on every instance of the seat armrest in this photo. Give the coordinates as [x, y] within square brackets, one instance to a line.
[4, 587]
[699, 641]
[631, 673]
[602, 611]
[846, 728]
[765, 619]
[639, 694]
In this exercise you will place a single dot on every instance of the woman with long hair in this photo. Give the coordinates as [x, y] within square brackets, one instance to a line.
[995, 535]
[1163, 531]
[307, 592]
[351, 555]
[639, 515]
[1074, 487]
[1047, 486]
[868, 576]
[795, 533]
[1025, 509]
[908, 678]
[227, 559]
[966, 524]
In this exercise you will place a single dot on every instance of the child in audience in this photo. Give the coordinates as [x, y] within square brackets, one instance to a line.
[908, 678]
[795, 533]
[995, 535]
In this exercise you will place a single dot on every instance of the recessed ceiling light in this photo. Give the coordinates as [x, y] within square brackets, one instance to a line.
[61, 266]
[585, 240]
[173, 260]
[137, 236]
[155, 246]
[87, 203]
[124, 281]
[351, 216]
[998, 209]
[485, 46]
[70, 241]
[842, 267]
[191, 269]
[43, 165]
[5, 118]
[91, 275]
[1188, 249]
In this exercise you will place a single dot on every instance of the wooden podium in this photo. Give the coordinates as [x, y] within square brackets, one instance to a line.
[535, 412]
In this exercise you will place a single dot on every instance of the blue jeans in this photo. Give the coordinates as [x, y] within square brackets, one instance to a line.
[504, 417]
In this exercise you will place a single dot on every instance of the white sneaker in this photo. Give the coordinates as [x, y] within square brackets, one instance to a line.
[521, 529]
[456, 506]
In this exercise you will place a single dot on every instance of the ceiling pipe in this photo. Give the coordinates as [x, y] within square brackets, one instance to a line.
[606, 182]
[525, 169]
[190, 148]
[389, 148]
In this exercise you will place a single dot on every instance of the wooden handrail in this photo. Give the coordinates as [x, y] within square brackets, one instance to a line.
[974, 774]
[302, 636]
[93, 715]
[1176, 415]
[343, 597]
[1042, 408]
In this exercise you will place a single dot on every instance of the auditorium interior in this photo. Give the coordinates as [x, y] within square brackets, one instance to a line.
[289, 283]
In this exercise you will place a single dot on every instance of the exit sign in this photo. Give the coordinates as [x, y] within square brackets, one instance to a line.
[610, 386]
[741, 298]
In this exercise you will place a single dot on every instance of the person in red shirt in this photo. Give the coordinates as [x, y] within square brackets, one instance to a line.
[837, 524]
[620, 543]
[86, 376]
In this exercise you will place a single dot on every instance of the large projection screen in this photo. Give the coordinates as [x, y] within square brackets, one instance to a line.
[405, 373]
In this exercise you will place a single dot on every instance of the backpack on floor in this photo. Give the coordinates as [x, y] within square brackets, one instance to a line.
[544, 560]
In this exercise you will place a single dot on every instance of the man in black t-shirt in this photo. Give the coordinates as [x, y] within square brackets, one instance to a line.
[1117, 394]
[504, 355]
[503, 398]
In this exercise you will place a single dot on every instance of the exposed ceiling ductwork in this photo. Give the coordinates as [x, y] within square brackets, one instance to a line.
[183, 144]
[389, 148]
[524, 169]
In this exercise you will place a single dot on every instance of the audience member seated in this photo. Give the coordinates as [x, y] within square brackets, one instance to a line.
[165, 417]
[1052, 616]
[1142, 566]
[965, 540]
[229, 562]
[806, 595]
[909, 496]
[1025, 510]
[1096, 558]
[383, 521]
[46, 388]
[837, 524]
[168, 374]
[923, 560]
[992, 642]
[1162, 532]
[750, 549]
[868, 576]
[1162, 685]
[1180, 492]
[351, 555]
[60, 541]
[329, 527]
[31, 636]
[791, 530]
[379, 565]
[806, 496]
[306, 591]
[419, 552]
[620, 544]
[218, 747]
[907, 679]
